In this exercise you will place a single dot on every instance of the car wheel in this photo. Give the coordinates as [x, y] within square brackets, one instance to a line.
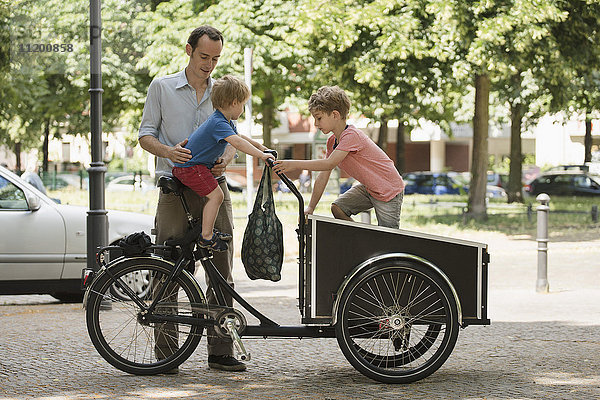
[139, 281]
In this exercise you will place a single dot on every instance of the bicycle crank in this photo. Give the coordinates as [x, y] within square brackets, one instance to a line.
[231, 323]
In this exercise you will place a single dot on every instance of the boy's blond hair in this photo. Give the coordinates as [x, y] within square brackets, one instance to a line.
[328, 99]
[227, 89]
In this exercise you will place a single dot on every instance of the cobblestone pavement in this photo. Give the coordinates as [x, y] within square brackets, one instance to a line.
[539, 346]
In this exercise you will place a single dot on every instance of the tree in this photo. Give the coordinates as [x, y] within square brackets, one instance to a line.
[578, 41]
[524, 59]
[263, 25]
[52, 82]
[383, 53]
[488, 31]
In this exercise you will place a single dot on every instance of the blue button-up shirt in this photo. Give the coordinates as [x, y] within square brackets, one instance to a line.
[172, 113]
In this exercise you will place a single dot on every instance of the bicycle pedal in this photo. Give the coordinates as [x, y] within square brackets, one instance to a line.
[237, 341]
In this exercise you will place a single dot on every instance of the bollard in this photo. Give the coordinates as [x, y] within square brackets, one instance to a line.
[594, 214]
[365, 217]
[542, 240]
[529, 212]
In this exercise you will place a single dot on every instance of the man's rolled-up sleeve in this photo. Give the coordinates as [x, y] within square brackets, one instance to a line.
[151, 118]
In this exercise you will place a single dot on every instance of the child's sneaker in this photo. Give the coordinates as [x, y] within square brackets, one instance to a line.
[215, 243]
[223, 236]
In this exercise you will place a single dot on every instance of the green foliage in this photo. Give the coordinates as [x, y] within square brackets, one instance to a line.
[52, 86]
[263, 26]
[576, 84]
[397, 59]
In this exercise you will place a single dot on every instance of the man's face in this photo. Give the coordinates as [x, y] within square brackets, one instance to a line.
[204, 57]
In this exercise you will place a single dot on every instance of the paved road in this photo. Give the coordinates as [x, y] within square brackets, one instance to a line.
[539, 346]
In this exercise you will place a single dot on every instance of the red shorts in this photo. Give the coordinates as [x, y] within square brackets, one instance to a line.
[197, 177]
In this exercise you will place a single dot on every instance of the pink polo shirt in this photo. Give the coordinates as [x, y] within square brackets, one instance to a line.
[368, 164]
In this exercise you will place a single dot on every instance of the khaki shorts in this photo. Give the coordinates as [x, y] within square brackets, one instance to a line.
[357, 200]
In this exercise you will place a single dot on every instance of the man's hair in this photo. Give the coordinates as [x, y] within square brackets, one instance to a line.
[227, 89]
[328, 99]
[212, 33]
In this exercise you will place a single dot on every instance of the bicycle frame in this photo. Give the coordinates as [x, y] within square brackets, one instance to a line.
[267, 326]
[220, 286]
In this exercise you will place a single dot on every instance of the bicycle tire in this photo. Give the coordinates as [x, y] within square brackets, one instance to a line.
[118, 333]
[397, 322]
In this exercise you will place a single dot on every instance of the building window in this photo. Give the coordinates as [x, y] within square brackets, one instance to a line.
[66, 152]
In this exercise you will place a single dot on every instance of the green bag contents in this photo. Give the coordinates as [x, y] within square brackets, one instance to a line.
[262, 246]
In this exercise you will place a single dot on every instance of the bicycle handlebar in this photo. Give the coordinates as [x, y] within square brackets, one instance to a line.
[287, 182]
[273, 153]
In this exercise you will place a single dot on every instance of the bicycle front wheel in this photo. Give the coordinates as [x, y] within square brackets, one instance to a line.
[397, 322]
[122, 335]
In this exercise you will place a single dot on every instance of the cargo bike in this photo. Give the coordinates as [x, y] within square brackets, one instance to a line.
[393, 299]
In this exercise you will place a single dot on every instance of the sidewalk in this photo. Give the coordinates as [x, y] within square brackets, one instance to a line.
[573, 277]
[539, 346]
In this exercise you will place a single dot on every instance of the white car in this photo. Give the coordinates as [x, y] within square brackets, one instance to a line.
[43, 244]
[129, 183]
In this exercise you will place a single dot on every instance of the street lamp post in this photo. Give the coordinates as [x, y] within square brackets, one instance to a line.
[249, 158]
[97, 221]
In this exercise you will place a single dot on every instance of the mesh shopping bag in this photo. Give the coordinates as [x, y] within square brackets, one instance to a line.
[262, 246]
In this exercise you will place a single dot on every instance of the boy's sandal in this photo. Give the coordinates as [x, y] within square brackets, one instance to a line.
[223, 236]
[215, 243]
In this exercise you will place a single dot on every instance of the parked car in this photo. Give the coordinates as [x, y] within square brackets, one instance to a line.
[43, 244]
[570, 167]
[497, 179]
[432, 183]
[437, 183]
[565, 183]
[129, 183]
[495, 192]
[58, 181]
[234, 185]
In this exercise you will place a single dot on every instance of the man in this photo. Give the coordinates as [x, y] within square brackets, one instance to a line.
[175, 106]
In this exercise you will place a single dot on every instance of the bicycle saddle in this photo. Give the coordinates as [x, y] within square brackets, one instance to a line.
[170, 184]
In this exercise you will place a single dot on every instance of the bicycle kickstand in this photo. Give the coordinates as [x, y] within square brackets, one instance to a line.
[237, 341]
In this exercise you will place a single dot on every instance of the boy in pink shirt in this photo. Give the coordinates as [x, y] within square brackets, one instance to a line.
[381, 186]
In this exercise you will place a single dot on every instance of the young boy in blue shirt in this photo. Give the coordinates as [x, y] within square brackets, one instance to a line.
[207, 144]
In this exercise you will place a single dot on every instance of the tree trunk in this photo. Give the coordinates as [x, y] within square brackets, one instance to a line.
[18, 156]
[268, 114]
[45, 146]
[515, 187]
[476, 205]
[400, 148]
[383, 134]
[587, 141]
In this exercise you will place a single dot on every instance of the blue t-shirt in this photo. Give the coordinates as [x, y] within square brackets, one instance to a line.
[208, 143]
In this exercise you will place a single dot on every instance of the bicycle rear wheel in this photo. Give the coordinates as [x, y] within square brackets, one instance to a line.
[397, 322]
[122, 336]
